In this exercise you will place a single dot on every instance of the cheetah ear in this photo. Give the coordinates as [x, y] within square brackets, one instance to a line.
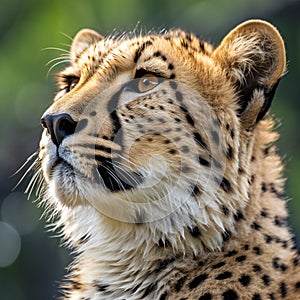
[83, 39]
[253, 56]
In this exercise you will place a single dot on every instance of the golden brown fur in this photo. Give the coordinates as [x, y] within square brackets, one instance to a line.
[158, 160]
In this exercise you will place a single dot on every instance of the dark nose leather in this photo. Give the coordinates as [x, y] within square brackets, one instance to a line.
[59, 126]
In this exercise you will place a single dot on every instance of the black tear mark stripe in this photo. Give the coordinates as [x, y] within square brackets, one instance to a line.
[111, 109]
[116, 179]
[139, 51]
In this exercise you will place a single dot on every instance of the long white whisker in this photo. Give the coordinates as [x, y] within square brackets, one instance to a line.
[32, 183]
[57, 58]
[57, 49]
[127, 160]
[129, 176]
[40, 187]
[31, 167]
[58, 63]
[67, 36]
[125, 166]
[115, 177]
[25, 163]
[66, 45]
[32, 187]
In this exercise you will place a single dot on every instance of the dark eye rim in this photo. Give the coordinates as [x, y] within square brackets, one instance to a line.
[142, 72]
[69, 80]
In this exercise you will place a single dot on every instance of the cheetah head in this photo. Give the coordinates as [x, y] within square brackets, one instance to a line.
[159, 129]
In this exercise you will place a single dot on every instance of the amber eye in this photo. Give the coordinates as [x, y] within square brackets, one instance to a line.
[147, 82]
[72, 82]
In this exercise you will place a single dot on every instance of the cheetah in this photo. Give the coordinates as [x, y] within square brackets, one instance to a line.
[159, 167]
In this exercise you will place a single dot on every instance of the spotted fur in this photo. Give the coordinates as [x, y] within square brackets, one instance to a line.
[158, 162]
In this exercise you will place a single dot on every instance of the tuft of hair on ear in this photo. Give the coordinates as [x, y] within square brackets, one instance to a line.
[253, 57]
[83, 39]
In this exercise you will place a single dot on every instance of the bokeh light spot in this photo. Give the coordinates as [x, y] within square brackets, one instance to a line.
[10, 244]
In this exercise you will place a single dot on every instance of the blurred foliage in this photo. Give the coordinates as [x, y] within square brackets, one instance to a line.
[26, 29]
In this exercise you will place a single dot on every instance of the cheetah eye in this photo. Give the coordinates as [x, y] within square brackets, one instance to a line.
[71, 81]
[147, 83]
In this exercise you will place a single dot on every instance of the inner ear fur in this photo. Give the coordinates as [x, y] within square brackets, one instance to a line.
[83, 39]
[253, 56]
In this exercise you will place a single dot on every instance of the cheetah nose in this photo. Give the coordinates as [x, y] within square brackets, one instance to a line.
[58, 126]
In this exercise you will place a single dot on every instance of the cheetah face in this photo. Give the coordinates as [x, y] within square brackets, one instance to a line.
[155, 123]
[137, 148]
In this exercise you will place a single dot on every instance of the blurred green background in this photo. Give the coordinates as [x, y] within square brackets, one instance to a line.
[31, 263]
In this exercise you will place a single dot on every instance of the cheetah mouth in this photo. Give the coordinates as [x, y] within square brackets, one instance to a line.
[60, 161]
[117, 179]
[114, 179]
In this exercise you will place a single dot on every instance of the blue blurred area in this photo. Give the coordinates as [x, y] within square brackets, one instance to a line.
[32, 263]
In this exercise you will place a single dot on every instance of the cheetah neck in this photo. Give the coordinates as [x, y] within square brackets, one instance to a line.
[112, 261]
[122, 260]
[265, 212]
